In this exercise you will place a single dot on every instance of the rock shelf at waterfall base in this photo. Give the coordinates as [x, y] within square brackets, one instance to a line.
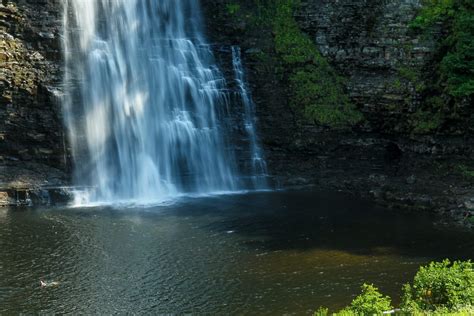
[420, 188]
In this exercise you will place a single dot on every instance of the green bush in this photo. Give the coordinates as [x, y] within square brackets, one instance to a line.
[456, 50]
[457, 67]
[322, 311]
[440, 286]
[233, 8]
[369, 302]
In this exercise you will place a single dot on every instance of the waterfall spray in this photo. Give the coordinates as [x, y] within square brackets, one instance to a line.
[145, 102]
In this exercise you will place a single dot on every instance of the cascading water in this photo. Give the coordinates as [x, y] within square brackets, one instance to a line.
[258, 166]
[143, 101]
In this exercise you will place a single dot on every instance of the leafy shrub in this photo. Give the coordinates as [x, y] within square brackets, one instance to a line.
[322, 311]
[440, 288]
[233, 8]
[440, 285]
[433, 11]
[369, 302]
[456, 49]
[458, 64]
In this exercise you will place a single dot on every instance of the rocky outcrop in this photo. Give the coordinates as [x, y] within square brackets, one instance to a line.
[32, 145]
[391, 157]
[371, 44]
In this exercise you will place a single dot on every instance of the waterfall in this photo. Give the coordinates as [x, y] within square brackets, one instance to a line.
[258, 166]
[144, 101]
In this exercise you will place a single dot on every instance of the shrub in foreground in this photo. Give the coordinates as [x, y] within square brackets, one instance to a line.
[369, 302]
[440, 286]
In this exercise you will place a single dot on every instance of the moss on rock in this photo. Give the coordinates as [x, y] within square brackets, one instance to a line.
[317, 92]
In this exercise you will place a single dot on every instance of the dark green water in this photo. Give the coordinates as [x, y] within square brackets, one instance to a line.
[261, 253]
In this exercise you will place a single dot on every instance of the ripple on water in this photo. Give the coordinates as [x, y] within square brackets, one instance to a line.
[283, 256]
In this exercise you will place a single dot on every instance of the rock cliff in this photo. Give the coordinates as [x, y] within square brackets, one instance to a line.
[399, 154]
[32, 148]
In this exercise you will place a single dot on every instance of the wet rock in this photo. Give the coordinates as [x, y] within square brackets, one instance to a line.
[411, 179]
[376, 194]
[253, 51]
[298, 181]
[469, 205]
[47, 35]
[31, 128]
[4, 198]
[378, 178]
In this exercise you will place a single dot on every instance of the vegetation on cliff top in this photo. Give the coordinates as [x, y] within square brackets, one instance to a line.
[447, 85]
[456, 71]
[440, 288]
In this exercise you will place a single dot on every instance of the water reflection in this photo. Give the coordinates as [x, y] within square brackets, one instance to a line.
[265, 253]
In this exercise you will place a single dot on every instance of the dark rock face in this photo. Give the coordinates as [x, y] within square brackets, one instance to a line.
[31, 130]
[369, 43]
[276, 121]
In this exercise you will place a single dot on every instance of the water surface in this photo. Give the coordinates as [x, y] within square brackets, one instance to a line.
[259, 253]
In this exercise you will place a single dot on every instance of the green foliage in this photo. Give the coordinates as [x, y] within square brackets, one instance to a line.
[323, 100]
[433, 11]
[292, 45]
[412, 74]
[317, 91]
[441, 286]
[456, 71]
[467, 311]
[370, 302]
[465, 171]
[322, 311]
[457, 67]
[409, 74]
[435, 102]
[424, 122]
[233, 8]
[397, 84]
